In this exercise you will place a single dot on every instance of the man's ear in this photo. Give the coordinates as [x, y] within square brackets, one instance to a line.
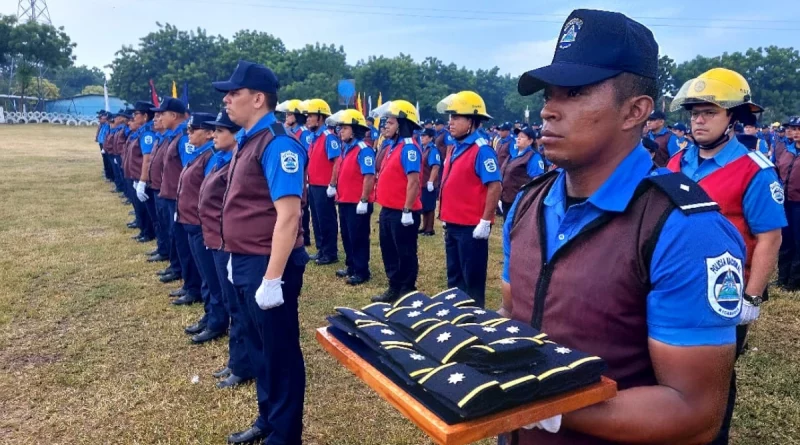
[635, 111]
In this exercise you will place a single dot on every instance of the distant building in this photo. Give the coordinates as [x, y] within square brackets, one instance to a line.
[84, 104]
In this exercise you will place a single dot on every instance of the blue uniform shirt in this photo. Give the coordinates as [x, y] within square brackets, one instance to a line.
[410, 158]
[189, 152]
[333, 147]
[761, 210]
[374, 133]
[485, 163]
[104, 129]
[366, 155]
[763, 147]
[219, 159]
[434, 157]
[147, 138]
[536, 165]
[283, 163]
[679, 307]
[677, 144]
[652, 135]
[306, 137]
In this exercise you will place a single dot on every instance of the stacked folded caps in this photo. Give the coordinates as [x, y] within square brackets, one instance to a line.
[470, 360]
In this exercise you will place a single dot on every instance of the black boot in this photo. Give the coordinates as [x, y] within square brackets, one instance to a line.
[387, 297]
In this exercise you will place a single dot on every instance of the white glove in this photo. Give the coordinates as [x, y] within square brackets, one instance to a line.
[749, 313]
[500, 205]
[115, 162]
[430, 186]
[551, 425]
[102, 151]
[407, 219]
[140, 193]
[361, 208]
[482, 230]
[331, 192]
[269, 294]
[230, 269]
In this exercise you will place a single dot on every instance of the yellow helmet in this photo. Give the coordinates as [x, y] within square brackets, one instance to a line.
[318, 106]
[303, 106]
[347, 117]
[289, 106]
[464, 103]
[400, 109]
[718, 86]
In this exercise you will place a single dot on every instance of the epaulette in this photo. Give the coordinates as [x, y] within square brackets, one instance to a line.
[362, 144]
[761, 160]
[481, 141]
[408, 140]
[328, 132]
[686, 194]
[277, 129]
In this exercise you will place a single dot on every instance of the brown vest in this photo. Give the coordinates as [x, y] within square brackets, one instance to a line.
[592, 295]
[515, 175]
[789, 171]
[172, 169]
[248, 213]
[503, 151]
[157, 163]
[426, 169]
[133, 159]
[119, 143]
[189, 189]
[662, 154]
[212, 192]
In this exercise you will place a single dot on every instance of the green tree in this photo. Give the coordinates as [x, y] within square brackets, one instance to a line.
[35, 47]
[73, 79]
[93, 89]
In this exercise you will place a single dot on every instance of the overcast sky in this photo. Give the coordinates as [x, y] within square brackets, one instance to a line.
[516, 36]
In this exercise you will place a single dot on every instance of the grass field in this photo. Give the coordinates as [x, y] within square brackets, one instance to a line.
[91, 351]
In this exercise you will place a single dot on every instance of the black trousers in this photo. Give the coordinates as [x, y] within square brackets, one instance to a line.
[789, 253]
[355, 238]
[467, 260]
[107, 170]
[323, 219]
[399, 249]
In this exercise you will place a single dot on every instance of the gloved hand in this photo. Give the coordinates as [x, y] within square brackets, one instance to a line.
[551, 425]
[331, 192]
[140, 193]
[102, 152]
[482, 230]
[750, 313]
[430, 186]
[361, 208]
[115, 161]
[269, 294]
[407, 219]
[500, 205]
[230, 270]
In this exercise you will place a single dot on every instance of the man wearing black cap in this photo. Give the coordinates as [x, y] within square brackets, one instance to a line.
[140, 143]
[680, 141]
[261, 213]
[165, 172]
[505, 144]
[659, 133]
[103, 129]
[430, 180]
[666, 323]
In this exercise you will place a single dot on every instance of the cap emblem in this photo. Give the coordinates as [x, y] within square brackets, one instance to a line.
[570, 33]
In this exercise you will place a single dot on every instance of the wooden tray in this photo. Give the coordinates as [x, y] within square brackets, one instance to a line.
[469, 431]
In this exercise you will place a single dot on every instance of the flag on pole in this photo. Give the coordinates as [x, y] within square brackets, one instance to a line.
[369, 101]
[105, 94]
[185, 95]
[380, 100]
[418, 118]
[359, 106]
[153, 94]
[174, 90]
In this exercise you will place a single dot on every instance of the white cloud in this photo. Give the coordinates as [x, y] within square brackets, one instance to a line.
[519, 57]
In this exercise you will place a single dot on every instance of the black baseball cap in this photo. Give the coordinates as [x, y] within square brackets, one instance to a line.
[224, 121]
[170, 104]
[528, 131]
[505, 126]
[594, 46]
[428, 132]
[656, 115]
[249, 75]
[201, 120]
[143, 106]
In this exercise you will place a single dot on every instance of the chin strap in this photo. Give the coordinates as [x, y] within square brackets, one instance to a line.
[720, 140]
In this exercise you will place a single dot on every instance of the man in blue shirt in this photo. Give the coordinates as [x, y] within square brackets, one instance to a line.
[599, 91]
[103, 128]
[266, 268]
[658, 132]
[680, 141]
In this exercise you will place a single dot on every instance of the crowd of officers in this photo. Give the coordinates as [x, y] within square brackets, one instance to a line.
[229, 199]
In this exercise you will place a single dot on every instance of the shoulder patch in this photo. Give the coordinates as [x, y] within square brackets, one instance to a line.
[725, 284]
[686, 194]
[760, 159]
[490, 165]
[776, 190]
[412, 155]
[148, 139]
[289, 161]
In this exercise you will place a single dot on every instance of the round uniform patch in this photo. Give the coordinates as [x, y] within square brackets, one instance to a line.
[776, 191]
[725, 284]
[438, 158]
[412, 155]
[188, 148]
[541, 165]
[289, 162]
[308, 139]
[490, 165]
[368, 161]
[334, 145]
[148, 139]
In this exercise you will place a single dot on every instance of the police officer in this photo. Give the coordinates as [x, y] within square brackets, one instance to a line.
[199, 148]
[372, 135]
[659, 133]
[786, 158]
[665, 325]
[745, 185]
[323, 166]
[431, 179]
[505, 143]
[103, 129]
[212, 191]
[527, 164]
[751, 129]
[109, 147]
[165, 168]
[139, 145]
[680, 141]
[161, 252]
[354, 194]
[261, 229]
[398, 194]
[470, 169]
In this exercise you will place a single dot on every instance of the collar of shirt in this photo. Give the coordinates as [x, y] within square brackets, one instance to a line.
[465, 143]
[660, 133]
[203, 148]
[319, 131]
[792, 148]
[525, 150]
[730, 152]
[616, 192]
[347, 146]
[243, 135]
[508, 139]
[223, 157]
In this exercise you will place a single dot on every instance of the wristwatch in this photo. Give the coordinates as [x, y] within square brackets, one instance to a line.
[406, 210]
[364, 200]
[755, 300]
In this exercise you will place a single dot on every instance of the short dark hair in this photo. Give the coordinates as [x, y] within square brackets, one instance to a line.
[629, 85]
[272, 100]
